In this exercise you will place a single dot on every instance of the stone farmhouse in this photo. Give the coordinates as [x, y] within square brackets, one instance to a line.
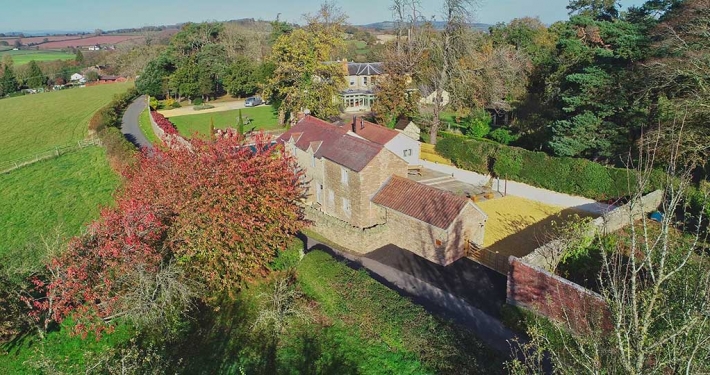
[360, 191]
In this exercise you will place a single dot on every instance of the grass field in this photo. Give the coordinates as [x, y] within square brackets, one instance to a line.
[31, 124]
[23, 57]
[262, 118]
[146, 128]
[428, 153]
[63, 193]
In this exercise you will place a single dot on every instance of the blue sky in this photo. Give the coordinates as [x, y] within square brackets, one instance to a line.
[113, 14]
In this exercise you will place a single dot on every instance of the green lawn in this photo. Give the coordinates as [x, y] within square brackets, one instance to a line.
[63, 193]
[262, 118]
[23, 57]
[31, 124]
[146, 128]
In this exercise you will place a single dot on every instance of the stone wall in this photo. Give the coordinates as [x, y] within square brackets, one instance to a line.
[358, 240]
[385, 165]
[554, 297]
[548, 255]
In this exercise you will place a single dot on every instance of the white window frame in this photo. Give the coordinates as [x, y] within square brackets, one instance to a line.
[344, 176]
[407, 152]
[346, 206]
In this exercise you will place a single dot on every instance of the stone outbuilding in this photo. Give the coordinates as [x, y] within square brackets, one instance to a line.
[400, 144]
[429, 222]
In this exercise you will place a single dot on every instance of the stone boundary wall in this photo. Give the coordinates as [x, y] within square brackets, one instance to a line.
[166, 138]
[554, 297]
[342, 233]
[548, 255]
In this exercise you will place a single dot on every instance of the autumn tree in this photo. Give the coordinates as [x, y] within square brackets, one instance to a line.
[304, 78]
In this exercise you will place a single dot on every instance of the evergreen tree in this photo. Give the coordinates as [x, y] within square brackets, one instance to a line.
[8, 82]
[35, 77]
[240, 123]
[79, 57]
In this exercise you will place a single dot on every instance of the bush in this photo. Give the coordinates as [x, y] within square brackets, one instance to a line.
[164, 123]
[503, 136]
[155, 104]
[106, 123]
[288, 259]
[561, 174]
[477, 125]
[202, 107]
[198, 101]
[176, 104]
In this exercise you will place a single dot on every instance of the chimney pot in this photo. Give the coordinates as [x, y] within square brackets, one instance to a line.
[354, 125]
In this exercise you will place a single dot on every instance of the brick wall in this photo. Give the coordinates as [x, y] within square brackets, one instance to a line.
[561, 300]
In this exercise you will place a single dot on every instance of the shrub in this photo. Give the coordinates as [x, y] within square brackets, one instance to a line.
[288, 259]
[202, 107]
[155, 104]
[503, 136]
[164, 123]
[477, 125]
[175, 104]
[561, 174]
[198, 101]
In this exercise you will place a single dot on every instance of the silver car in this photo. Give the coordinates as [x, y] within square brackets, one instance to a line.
[253, 101]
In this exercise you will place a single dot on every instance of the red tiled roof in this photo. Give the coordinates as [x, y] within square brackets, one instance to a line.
[338, 146]
[428, 204]
[373, 132]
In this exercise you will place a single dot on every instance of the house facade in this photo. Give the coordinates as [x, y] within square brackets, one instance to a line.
[361, 79]
[353, 178]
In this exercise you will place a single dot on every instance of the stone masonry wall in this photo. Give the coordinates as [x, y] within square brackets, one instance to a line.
[359, 240]
[371, 178]
[559, 299]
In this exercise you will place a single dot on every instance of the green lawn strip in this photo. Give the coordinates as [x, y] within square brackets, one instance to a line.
[33, 124]
[382, 316]
[146, 128]
[23, 56]
[63, 193]
[262, 118]
[68, 354]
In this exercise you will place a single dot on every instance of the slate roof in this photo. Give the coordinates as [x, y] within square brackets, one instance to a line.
[365, 69]
[373, 132]
[336, 144]
[402, 123]
[430, 205]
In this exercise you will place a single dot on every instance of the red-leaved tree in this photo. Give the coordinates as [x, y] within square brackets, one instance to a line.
[190, 222]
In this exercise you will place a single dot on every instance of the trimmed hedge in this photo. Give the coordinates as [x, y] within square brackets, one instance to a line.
[562, 174]
[106, 122]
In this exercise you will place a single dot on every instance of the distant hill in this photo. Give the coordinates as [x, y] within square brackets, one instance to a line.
[439, 25]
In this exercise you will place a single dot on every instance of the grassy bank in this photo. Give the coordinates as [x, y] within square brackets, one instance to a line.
[31, 124]
[262, 118]
[25, 56]
[62, 193]
[146, 128]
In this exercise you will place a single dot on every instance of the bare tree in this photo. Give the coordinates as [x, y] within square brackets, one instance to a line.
[655, 280]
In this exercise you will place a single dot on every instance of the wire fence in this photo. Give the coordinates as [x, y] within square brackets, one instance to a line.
[11, 165]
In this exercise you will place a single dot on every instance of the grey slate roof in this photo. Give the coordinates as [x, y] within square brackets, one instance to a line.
[365, 69]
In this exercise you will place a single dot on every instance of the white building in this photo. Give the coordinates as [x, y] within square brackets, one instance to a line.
[399, 143]
[76, 77]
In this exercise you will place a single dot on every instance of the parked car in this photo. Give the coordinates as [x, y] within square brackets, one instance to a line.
[253, 101]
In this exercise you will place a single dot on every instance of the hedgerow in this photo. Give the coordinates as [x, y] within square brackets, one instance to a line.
[561, 174]
[106, 123]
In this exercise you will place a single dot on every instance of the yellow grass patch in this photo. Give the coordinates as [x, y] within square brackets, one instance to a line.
[429, 154]
[517, 226]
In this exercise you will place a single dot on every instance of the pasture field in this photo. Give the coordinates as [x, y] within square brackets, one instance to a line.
[24, 57]
[262, 118]
[62, 193]
[31, 124]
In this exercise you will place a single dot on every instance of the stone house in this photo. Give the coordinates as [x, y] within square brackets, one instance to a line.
[400, 144]
[409, 128]
[361, 79]
[363, 184]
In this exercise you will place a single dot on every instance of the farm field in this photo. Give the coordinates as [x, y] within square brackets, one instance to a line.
[517, 226]
[62, 193]
[32, 124]
[23, 57]
[90, 41]
[262, 118]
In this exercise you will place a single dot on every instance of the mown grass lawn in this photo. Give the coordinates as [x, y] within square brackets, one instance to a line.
[262, 118]
[23, 56]
[32, 124]
[63, 193]
[146, 128]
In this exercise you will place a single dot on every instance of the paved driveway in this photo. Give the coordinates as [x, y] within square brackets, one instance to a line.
[129, 126]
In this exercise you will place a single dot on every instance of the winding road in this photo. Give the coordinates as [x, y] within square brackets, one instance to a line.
[129, 126]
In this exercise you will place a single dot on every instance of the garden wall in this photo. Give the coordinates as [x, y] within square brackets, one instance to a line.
[355, 239]
[548, 255]
[556, 298]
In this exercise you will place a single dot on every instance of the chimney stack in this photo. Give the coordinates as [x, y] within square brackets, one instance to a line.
[362, 123]
[354, 125]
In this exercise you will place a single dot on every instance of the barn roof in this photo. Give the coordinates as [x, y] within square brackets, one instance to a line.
[335, 145]
[430, 205]
[372, 132]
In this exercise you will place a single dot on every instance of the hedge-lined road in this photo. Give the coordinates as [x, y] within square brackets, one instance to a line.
[130, 128]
